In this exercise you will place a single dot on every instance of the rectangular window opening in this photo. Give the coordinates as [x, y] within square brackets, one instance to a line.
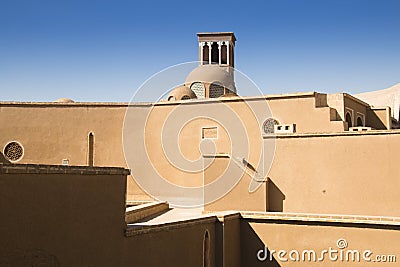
[209, 132]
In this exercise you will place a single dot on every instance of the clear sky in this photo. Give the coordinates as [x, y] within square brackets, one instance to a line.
[104, 50]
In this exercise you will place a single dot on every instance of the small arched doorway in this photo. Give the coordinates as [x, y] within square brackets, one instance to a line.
[206, 250]
[360, 122]
[91, 149]
[349, 120]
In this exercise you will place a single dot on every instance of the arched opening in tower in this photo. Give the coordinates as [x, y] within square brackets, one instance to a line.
[224, 54]
[214, 53]
[206, 54]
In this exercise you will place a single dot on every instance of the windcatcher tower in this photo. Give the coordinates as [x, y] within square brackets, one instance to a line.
[217, 48]
[214, 77]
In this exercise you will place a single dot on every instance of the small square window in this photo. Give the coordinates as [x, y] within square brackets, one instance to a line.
[209, 132]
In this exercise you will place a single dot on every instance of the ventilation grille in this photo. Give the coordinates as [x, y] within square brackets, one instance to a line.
[13, 151]
[269, 125]
[216, 90]
[198, 89]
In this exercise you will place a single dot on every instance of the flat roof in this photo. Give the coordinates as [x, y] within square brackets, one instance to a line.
[191, 101]
[320, 218]
[126, 104]
[60, 169]
[219, 34]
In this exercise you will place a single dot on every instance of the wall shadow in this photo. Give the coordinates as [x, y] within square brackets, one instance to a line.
[374, 121]
[251, 244]
[275, 197]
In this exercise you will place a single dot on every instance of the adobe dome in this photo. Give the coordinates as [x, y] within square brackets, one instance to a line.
[181, 93]
[64, 100]
[212, 73]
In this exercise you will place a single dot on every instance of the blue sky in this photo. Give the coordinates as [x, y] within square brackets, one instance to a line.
[104, 50]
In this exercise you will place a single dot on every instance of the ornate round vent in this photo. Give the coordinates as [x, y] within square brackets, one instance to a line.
[13, 151]
[269, 124]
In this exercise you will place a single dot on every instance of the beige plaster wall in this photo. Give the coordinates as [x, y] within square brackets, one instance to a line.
[309, 115]
[379, 118]
[343, 174]
[69, 216]
[357, 108]
[336, 101]
[51, 132]
[303, 167]
[70, 219]
[178, 245]
[288, 236]
[239, 197]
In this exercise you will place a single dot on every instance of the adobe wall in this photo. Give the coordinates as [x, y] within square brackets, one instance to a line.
[174, 244]
[357, 109]
[174, 152]
[320, 173]
[51, 132]
[301, 235]
[379, 118]
[337, 174]
[239, 197]
[66, 215]
[309, 115]
[74, 216]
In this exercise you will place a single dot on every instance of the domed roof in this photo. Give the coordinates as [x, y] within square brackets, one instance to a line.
[64, 100]
[181, 93]
[212, 73]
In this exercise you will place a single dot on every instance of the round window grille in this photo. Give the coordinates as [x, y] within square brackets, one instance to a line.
[269, 125]
[185, 97]
[13, 151]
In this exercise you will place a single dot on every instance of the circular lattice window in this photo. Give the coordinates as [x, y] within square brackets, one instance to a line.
[269, 125]
[13, 151]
